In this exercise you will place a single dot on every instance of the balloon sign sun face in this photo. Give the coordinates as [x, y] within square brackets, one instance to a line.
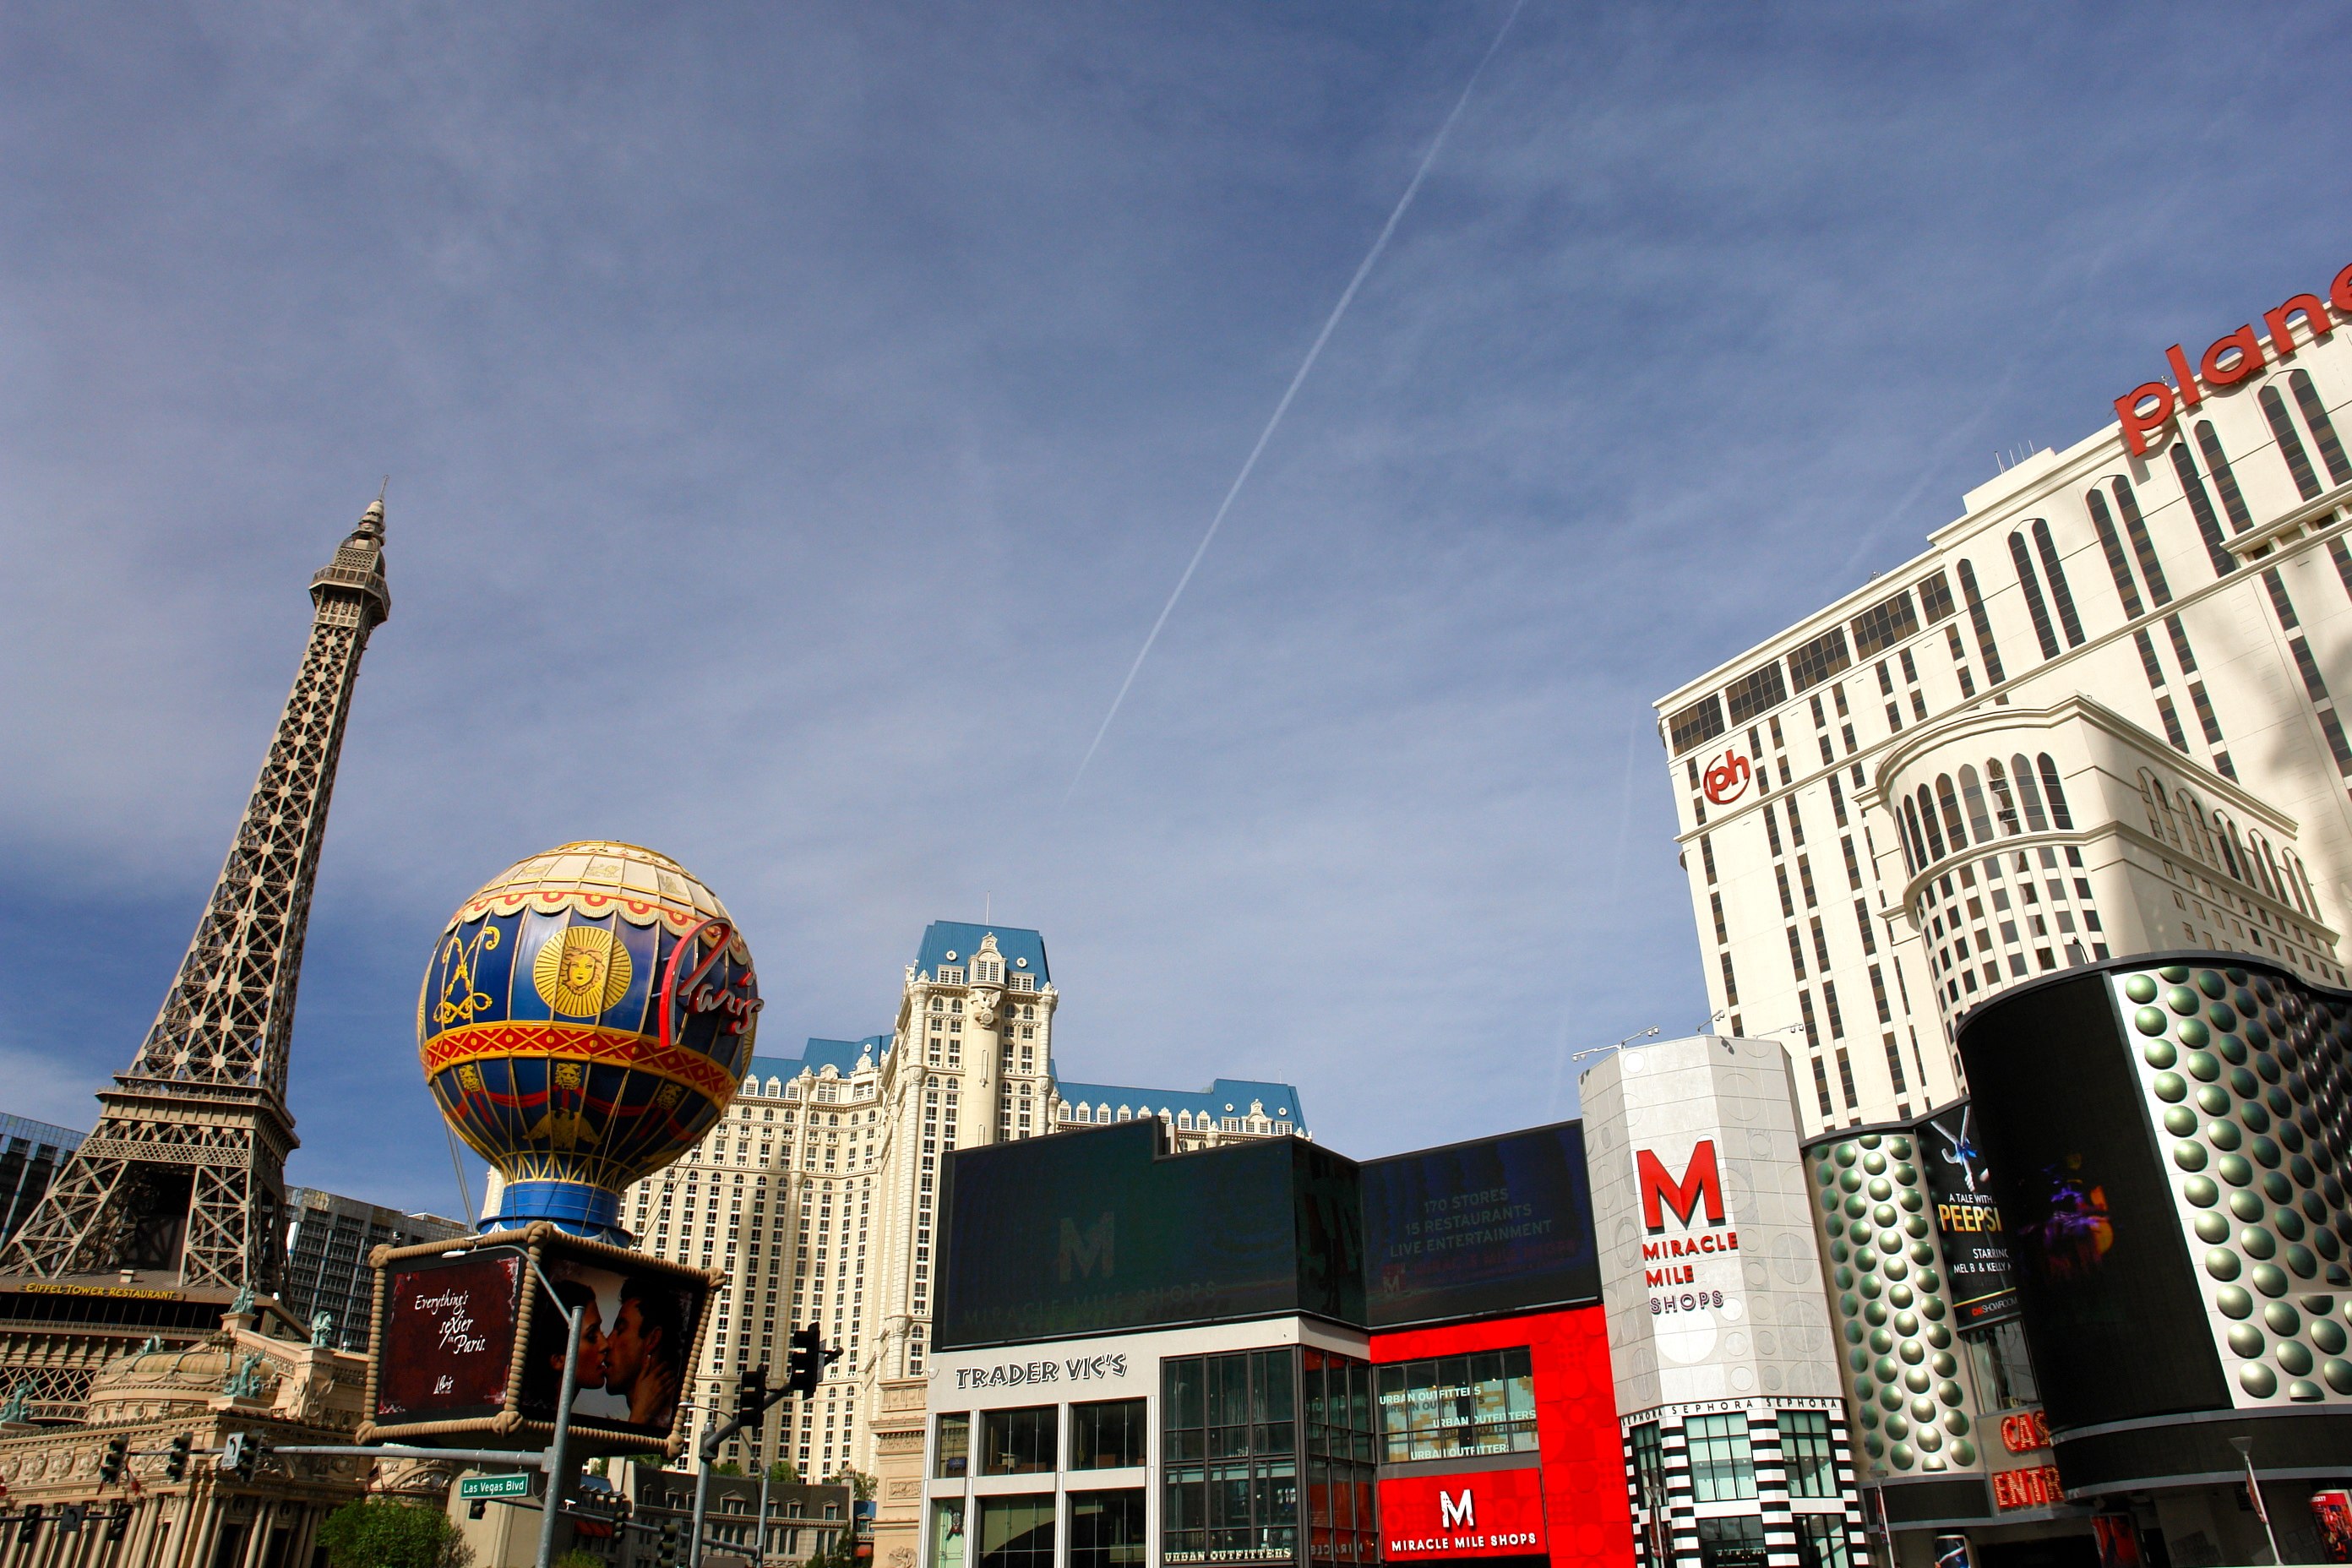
[586, 1018]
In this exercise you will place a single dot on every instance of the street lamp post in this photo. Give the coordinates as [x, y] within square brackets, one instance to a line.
[556, 1472]
[2245, 1446]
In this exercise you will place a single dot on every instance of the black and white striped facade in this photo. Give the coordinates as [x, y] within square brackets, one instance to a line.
[1797, 1531]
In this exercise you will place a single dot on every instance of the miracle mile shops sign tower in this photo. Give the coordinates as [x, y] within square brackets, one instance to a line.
[1719, 1337]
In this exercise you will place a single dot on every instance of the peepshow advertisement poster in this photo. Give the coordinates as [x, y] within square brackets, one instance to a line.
[1976, 1246]
[448, 1337]
[1497, 1225]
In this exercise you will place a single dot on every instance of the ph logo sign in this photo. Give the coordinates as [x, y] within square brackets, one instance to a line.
[1727, 780]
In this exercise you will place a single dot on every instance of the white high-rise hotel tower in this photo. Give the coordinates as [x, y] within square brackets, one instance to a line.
[2101, 714]
[817, 1192]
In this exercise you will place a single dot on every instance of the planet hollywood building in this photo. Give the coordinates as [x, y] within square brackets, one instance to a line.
[2102, 714]
[1269, 1353]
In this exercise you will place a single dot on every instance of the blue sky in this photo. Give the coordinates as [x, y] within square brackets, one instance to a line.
[796, 418]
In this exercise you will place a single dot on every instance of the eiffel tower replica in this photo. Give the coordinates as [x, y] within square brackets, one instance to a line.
[175, 1201]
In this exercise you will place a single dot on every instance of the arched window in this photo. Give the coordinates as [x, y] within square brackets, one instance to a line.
[2228, 844]
[2151, 570]
[2322, 428]
[2023, 772]
[2034, 605]
[1185, 1120]
[1983, 622]
[2290, 444]
[1927, 817]
[2200, 505]
[2060, 594]
[2300, 879]
[2111, 544]
[2225, 480]
[2151, 795]
[2004, 804]
[2059, 817]
[1914, 849]
[2266, 868]
[1953, 827]
[1972, 796]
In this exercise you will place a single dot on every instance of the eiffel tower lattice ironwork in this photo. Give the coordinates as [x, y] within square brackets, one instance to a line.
[185, 1170]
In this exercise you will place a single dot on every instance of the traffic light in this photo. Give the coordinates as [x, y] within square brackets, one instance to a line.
[751, 1395]
[669, 1544]
[476, 1508]
[118, 1523]
[28, 1524]
[110, 1464]
[175, 1461]
[241, 1455]
[809, 1360]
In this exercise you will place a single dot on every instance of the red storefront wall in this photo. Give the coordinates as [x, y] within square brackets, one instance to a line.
[1586, 1520]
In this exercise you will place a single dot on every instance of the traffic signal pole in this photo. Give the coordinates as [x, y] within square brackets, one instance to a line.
[803, 1371]
[557, 1473]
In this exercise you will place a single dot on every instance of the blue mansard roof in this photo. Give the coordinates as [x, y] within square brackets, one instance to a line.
[840, 1055]
[1223, 1097]
[1023, 951]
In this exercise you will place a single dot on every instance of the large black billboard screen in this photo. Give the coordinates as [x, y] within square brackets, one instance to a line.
[2112, 1309]
[1497, 1226]
[1975, 1245]
[1098, 1232]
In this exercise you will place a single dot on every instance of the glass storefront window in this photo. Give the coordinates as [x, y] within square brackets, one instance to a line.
[1018, 1442]
[1334, 1402]
[1229, 1437]
[1722, 1469]
[1108, 1436]
[1107, 1528]
[1735, 1542]
[1017, 1532]
[1805, 1444]
[1821, 1542]
[946, 1534]
[1453, 1406]
[953, 1447]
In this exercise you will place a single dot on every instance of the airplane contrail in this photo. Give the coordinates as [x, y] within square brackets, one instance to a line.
[1304, 365]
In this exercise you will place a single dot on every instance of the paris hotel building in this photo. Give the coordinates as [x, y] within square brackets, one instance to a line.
[816, 1194]
[2101, 714]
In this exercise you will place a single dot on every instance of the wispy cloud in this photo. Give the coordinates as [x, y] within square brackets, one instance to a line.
[794, 415]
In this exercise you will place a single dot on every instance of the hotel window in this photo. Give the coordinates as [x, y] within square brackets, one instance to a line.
[2200, 506]
[1446, 1408]
[2034, 605]
[1701, 722]
[2322, 428]
[1935, 597]
[1722, 1469]
[952, 1448]
[2290, 444]
[1817, 660]
[2060, 594]
[1884, 625]
[1017, 1532]
[1756, 693]
[2225, 479]
[1018, 1442]
[1805, 1448]
[1981, 622]
[2135, 529]
[1106, 1529]
[1108, 1436]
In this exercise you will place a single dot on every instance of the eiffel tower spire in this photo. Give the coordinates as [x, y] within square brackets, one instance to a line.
[185, 1170]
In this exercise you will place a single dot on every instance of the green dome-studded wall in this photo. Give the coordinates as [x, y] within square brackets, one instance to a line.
[2248, 1078]
[1915, 1410]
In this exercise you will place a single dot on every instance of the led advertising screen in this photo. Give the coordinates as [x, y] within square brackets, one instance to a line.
[2112, 1312]
[1496, 1226]
[1097, 1231]
[443, 1362]
[1967, 1221]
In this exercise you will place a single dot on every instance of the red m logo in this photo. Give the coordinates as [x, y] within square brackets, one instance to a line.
[1699, 1180]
